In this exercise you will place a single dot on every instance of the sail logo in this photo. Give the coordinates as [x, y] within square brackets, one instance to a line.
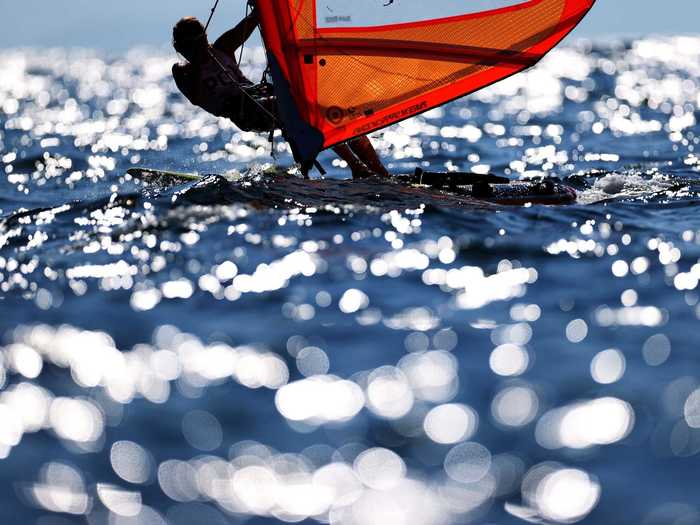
[338, 19]
[368, 13]
[392, 117]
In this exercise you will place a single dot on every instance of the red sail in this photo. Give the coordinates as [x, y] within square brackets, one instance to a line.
[346, 68]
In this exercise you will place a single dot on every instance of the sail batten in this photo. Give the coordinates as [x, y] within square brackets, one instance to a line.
[402, 48]
[346, 80]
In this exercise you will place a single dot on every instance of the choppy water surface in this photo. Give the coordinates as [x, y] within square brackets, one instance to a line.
[170, 356]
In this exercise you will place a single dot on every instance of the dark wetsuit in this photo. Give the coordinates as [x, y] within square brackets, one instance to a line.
[216, 85]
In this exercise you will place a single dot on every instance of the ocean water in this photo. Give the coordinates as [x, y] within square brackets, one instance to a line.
[178, 355]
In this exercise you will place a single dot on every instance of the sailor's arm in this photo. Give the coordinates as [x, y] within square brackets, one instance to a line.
[236, 37]
[185, 82]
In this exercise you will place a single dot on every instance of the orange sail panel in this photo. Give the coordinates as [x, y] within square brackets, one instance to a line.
[344, 68]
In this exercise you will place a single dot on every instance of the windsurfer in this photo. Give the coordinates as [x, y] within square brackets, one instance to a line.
[212, 79]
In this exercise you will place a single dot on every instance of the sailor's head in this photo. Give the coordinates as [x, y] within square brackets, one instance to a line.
[189, 37]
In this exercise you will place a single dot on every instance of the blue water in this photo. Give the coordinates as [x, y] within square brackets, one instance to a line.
[173, 355]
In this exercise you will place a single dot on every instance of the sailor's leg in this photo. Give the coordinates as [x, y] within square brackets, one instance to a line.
[359, 169]
[363, 149]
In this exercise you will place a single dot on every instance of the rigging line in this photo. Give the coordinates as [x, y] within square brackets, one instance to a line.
[211, 15]
[240, 56]
[225, 70]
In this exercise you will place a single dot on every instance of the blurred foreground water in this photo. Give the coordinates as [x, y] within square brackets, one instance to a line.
[171, 357]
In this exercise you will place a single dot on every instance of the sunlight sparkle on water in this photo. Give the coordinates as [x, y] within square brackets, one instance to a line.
[396, 361]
